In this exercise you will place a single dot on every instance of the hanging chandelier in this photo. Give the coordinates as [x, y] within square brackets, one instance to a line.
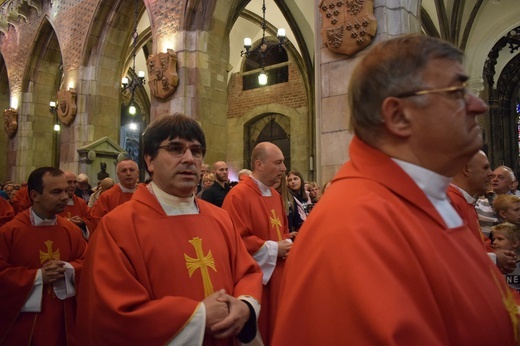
[264, 48]
[137, 81]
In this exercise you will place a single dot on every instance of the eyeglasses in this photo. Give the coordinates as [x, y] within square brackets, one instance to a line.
[455, 92]
[177, 149]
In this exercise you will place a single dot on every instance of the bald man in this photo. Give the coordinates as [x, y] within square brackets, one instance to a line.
[467, 185]
[77, 210]
[128, 174]
[257, 212]
[216, 193]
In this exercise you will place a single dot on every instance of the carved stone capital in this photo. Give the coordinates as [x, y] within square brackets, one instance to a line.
[162, 73]
[10, 122]
[67, 108]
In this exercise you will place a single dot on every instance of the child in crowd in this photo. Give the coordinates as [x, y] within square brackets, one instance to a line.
[507, 208]
[507, 237]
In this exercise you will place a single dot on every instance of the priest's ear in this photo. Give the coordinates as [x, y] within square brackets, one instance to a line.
[34, 195]
[148, 161]
[396, 116]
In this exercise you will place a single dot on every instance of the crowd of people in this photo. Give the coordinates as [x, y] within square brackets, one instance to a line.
[415, 241]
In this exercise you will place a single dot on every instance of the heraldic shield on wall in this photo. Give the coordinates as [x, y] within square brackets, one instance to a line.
[348, 26]
[10, 122]
[162, 71]
[67, 108]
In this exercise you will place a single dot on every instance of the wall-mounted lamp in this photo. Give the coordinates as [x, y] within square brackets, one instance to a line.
[54, 111]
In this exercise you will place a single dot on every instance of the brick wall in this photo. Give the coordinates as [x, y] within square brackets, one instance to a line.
[290, 94]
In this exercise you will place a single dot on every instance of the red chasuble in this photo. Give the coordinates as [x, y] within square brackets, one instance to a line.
[21, 200]
[6, 211]
[375, 264]
[81, 209]
[146, 273]
[108, 201]
[468, 213]
[23, 250]
[258, 219]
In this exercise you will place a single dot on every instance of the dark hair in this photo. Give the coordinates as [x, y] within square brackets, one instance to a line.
[35, 181]
[169, 127]
[300, 194]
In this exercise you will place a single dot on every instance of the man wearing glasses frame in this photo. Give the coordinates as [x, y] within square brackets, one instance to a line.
[394, 263]
[165, 267]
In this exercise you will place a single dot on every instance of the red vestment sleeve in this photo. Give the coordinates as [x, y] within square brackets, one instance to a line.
[6, 211]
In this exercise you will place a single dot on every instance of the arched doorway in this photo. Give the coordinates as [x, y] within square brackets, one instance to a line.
[274, 128]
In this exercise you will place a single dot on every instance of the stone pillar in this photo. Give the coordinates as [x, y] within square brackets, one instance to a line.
[395, 17]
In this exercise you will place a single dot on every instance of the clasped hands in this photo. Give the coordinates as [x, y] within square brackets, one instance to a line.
[52, 271]
[225, 315]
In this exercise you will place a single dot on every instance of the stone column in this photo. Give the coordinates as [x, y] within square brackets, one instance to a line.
[394, 17]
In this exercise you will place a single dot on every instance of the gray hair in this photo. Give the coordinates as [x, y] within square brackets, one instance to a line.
[391, 68]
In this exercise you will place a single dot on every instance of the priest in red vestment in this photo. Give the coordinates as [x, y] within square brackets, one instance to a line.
[467, 185]
[128, 174]
[6, 211]
[77, 211]
[257, 211]
[41, 255]
[166, 268]
[384, 258]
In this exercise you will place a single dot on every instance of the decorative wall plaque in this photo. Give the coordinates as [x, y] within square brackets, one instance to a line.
[67, 106]
[348, 26]
[10, 122]
[162, 71]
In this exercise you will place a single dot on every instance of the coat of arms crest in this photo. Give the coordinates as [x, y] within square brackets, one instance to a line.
[348, 26]
[10, 122]
[67, 108]
[162, 71]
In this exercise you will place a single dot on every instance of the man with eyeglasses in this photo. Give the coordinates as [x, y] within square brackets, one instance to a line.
[165, 267]
[394, 263]
[128, 174]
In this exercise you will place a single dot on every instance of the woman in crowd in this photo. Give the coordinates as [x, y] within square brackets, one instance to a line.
[296, 185]
[295, 182]
[207, 180]
[292, 207]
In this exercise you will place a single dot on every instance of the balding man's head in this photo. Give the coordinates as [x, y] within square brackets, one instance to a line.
[267, 163]
[128, 173]
[220, 169]
[71, 182]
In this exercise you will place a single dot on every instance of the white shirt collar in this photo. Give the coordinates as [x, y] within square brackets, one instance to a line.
[173, 205]
[434, 187]
[125, 190]
[469, 198]
[38, 221]
[432, 184]
[264, 189]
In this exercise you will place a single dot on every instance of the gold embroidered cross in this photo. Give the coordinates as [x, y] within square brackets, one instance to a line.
[49, 255]
[275, 222]
[201, 262]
